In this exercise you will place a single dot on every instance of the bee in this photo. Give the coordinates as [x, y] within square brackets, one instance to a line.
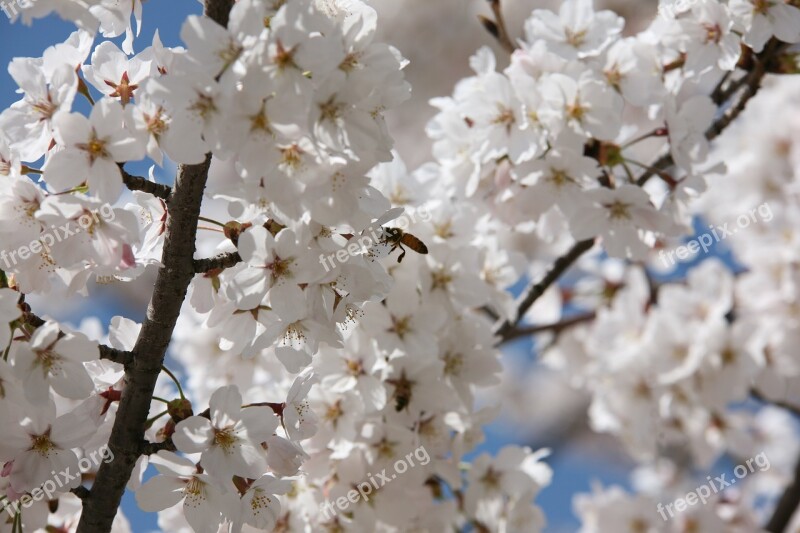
[401, 402]
[403, 389]
[397, 238]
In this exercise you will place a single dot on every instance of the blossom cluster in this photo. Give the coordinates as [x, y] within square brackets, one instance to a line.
[555, 144]
[301, 382]
[672, 365]
[556, 137]
[677, 371]
[289, 98]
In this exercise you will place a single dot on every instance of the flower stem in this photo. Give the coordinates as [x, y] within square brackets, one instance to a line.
[658, 172]
[177, 383]
[631, 179]
[211, 221]
[150, 420]
[638, 139]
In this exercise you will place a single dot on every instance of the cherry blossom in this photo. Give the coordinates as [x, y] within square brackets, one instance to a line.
[30, 121]
[576, 31]
[42, 444]
[50, 360]
[92, 149]
[179, 481]
[322, 314]
[230, 440]
[114, 75]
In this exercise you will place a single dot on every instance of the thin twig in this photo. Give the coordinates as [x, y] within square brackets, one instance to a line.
[138, 183]
[752, 83]
[106, 352]
[555, 327]
[718, 94]
[117, 356]
[497, 27]
[175, 380]
[535, 291]
[666, 161]
[722, 93]
[503, 35]
[227, 260]
[661, 164]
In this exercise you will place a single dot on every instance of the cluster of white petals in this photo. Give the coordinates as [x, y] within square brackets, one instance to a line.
[350, 321]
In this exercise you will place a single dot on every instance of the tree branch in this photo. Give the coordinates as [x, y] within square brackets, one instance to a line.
[497, 27]
[793, 409]
[556, 327]
[81, 492]
[751, 82]
[787, 505]
[535, 291]
[219, 10]
[148, 353]
[177, 270]
[138, 183]
[149, 448]
[106, 352]
[117, 356]
[202, 266]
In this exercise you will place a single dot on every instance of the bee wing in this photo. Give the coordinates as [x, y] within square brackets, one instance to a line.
[375, 230]
[391, 214]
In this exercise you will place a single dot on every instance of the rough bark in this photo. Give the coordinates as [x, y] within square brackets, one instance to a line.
[127, 436]
[101, 503]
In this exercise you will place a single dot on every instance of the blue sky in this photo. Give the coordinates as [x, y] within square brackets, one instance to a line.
[574, 470]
